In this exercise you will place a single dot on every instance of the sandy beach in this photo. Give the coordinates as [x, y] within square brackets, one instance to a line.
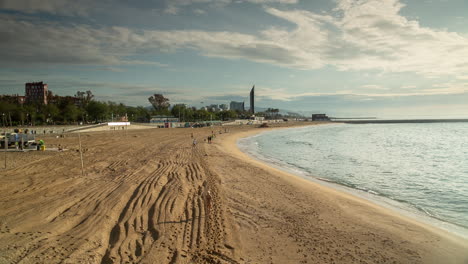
[142, 200]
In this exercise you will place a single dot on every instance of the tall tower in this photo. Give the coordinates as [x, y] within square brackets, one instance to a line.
[252, 100]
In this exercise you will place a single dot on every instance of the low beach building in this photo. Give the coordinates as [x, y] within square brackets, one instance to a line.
[165, 121]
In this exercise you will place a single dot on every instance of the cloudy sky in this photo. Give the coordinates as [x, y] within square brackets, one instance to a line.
[384, 58]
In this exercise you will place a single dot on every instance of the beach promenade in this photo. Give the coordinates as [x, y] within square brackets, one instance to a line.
[143, 200]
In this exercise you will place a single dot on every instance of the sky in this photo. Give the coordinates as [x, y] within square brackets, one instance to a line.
[380, 58]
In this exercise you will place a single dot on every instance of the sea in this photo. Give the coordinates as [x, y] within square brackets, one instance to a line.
[420, 170]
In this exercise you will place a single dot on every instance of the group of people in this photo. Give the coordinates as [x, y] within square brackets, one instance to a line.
[204, 189]
[209, 139]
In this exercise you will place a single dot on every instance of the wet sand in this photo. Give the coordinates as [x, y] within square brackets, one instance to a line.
[141, 201]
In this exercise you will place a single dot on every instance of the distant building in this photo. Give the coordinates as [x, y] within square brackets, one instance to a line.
[36, 92]
[164, 121]
[213, 108]
[252, 100]
[237, 106]
[320, 117]
[223, 107]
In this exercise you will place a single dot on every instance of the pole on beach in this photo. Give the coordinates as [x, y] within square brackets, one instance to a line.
[81, 156]
[6, 148]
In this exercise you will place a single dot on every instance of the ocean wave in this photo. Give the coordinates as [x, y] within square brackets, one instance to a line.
[394, 163]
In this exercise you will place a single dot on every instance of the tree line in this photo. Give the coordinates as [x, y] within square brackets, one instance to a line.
[83, 108]
[62, 110]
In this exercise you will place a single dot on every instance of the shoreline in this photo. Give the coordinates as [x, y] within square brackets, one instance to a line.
[403, 209]
[390, 216]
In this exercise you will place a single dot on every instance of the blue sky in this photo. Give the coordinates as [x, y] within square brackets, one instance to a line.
[384, 58]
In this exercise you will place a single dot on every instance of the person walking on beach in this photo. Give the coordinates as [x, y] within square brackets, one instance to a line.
[194, 142]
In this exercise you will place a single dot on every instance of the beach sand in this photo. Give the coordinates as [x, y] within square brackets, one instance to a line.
[142, 200]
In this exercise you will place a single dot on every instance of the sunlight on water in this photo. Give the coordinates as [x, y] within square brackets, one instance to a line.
[424, 166]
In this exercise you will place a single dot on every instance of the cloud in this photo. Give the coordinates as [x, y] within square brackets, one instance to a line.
[360, 35]
[357, 35]
[82, 44]
[370, 35]
[173, 7]
[374, 87]
[111, 69]
[172, 10]
[25, 43]
[199, 11]
[55, 7]
[272, 1]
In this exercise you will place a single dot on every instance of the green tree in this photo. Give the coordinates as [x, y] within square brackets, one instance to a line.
[51, 112]
[31, 114]
[272, 112]
[225, 115]
[202, 115]
[179, 110]
[159, 103]
[84, 98]
[142, 114]
[70, 113]
[97, 111]
[7, 112]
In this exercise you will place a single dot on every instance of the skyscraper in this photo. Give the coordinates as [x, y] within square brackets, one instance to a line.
[252, 100]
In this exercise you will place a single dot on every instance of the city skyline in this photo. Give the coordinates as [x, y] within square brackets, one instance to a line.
[379, 58]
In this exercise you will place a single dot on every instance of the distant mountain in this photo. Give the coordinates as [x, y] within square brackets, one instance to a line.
[281, 111]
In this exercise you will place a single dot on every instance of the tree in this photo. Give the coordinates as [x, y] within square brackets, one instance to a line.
[31, 114]
[179, 111]
[97, 111]
[70, 113]
[189, 114]
[84, 97]
[7, 110]
[159, 103]
[202, 114]
[51, 112]
[272, 112]
[142, 114]
[225, 115]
